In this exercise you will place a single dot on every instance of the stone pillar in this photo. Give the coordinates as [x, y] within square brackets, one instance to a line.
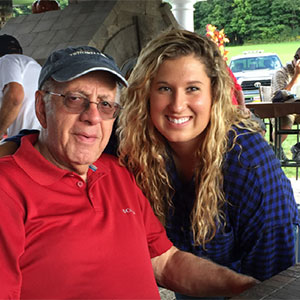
[6, 10]
[183, 11]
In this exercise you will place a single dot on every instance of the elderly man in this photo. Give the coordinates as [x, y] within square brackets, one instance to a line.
[73, 223]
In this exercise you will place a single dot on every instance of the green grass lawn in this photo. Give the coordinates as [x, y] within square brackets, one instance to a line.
[287, 144]
[285, 51]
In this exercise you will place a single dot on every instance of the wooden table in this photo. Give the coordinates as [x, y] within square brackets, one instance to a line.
[285, 285]
[273, 110]
[276, 110]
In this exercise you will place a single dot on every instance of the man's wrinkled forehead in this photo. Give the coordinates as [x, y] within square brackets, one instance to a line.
[100, 84]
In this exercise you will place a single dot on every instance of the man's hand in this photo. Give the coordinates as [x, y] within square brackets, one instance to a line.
[297, 68]
[188, 274]
[295, 79]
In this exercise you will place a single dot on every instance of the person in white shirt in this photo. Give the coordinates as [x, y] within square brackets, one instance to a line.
[18, 83]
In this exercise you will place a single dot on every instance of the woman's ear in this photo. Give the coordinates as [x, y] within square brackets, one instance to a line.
[40, 108]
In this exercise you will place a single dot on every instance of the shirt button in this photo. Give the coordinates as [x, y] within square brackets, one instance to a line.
[80, 184]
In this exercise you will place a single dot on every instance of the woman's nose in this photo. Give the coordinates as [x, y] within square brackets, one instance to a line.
[178, 101]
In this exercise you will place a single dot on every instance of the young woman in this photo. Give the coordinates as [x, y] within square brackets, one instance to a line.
[210, 176]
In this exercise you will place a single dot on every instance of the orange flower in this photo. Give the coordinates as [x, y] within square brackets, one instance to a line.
[218, 37]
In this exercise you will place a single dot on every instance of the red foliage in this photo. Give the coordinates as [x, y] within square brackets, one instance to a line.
[40, 6]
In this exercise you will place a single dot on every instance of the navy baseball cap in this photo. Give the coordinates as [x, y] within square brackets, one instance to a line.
[9, 45]
[70, 63]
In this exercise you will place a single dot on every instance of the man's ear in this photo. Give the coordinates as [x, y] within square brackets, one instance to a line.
[40, 108]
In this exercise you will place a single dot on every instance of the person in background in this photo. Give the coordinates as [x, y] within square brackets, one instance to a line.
[76, 226]
[237, 95]
[211, 177]
[18, 83]
[288, 78]
[239, 99]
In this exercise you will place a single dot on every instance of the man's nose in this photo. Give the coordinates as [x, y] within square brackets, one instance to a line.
[91, 114]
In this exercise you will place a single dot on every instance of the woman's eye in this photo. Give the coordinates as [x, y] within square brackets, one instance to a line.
[164, 89]
[193, 89]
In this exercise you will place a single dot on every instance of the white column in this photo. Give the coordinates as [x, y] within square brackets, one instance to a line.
[183, 11]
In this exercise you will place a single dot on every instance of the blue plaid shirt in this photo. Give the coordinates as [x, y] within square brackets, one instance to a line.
[258, 239]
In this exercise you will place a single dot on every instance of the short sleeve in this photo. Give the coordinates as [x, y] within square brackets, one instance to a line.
[12, 239]
[17, 138]
[10, 70]
[158, 241]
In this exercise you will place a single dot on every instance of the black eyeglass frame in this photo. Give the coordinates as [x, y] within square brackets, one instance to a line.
[86, 105]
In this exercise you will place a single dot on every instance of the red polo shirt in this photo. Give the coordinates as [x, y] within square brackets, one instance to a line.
[63, 238]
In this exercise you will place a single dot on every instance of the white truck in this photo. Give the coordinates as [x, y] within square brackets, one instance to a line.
[253, 69]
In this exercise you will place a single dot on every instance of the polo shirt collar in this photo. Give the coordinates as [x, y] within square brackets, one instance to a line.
[35, 165]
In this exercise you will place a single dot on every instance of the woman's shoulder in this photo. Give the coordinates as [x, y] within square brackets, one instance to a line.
[244, 136]
[249, 147]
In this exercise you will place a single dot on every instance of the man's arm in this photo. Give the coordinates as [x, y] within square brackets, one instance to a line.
[296, 76]
[8, 148]
[281, 79]
[13, 95]
[11, 144]
[188, 274]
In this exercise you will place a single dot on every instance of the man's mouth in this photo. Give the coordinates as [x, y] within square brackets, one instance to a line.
[86, 137]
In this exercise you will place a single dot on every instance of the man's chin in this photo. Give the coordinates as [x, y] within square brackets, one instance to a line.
[82, 162]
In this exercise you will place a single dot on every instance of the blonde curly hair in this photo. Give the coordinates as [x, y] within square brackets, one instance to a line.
[143, 150]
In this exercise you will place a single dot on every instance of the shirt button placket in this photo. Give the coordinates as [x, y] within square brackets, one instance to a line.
[80, 184]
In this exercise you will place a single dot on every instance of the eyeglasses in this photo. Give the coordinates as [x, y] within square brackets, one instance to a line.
[77, 103]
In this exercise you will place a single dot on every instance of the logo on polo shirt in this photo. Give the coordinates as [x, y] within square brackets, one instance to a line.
[128, 211]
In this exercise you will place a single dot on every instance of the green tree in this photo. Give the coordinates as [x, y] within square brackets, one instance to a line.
[286, 18]
[202, 15]
[239, 27]
[261, 22]
[21, 10]
[251, 20]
